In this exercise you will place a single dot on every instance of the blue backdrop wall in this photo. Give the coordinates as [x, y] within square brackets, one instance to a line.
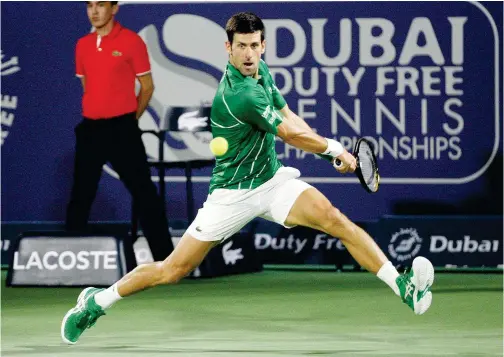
[422, 80]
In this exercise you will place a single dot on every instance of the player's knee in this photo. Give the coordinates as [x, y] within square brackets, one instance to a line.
[332, 218]
[337, 224]
[320, 213]
[172, 273]
[334, 215]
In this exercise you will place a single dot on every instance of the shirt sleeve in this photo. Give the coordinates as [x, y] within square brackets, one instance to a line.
[140, 58]
[278, 99]
[259, 112]
[79, 65]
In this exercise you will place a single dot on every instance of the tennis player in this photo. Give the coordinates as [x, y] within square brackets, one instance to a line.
[249, 181]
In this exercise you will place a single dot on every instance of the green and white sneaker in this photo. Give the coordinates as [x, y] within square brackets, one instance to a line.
[415, 285]
[81, 317]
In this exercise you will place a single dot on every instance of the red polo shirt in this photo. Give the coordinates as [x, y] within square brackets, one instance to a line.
[110, 65]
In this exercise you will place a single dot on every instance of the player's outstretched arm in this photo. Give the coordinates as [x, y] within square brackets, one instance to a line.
[294, 131]
[288, 113]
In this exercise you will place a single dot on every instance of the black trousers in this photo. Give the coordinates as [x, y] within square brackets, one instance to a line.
[118, 141]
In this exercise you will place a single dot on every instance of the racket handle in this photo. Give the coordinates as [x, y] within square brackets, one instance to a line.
[337, 163]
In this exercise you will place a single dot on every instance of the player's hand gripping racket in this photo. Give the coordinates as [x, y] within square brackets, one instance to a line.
[367, 167]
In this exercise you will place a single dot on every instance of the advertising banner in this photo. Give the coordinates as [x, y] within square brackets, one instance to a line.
[445, 241]
[448, 242]
[300, 245]
[60, 259]
[56, 260]
[421, 80]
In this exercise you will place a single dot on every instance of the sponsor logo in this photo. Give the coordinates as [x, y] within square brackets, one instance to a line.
[191, 122]
[231, 256]
[440, 244]
[265, 241]
[405, 244]
[271, 113]
[116, 53]
[9, 102]
[266, 112]
[323, 241]
[274, 115]
[66, 260]
[47, 260]
[410, 288]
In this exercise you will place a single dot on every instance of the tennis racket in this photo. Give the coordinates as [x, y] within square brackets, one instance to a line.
[367, 167]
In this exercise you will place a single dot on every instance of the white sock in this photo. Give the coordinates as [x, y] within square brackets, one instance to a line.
[388, 275]
[106, 298]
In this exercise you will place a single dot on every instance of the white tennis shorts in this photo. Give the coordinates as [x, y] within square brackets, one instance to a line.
[225, 211]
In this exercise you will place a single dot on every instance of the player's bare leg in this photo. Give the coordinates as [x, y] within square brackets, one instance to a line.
[92, 302]
[312, 209]
[188, 254]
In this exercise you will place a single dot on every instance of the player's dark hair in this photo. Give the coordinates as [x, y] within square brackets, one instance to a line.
[112, 3]
[244, 22]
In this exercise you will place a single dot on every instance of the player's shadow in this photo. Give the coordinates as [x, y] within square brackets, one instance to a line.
[34, 350]
[466, 290]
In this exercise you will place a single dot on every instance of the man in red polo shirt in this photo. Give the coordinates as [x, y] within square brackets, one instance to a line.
[108, 62]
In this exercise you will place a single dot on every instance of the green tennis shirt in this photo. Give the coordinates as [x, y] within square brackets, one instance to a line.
[245, 113]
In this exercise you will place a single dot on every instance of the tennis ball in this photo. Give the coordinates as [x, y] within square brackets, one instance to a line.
[218, 146]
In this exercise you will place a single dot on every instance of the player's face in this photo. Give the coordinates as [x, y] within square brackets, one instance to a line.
[100, 12]
[245, 52]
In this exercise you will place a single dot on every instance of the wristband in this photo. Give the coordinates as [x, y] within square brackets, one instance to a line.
[334, 148]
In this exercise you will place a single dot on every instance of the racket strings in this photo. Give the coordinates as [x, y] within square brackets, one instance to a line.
[368, 166]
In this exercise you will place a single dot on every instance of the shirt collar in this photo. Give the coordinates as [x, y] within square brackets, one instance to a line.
[114, 32]
[234, 72]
